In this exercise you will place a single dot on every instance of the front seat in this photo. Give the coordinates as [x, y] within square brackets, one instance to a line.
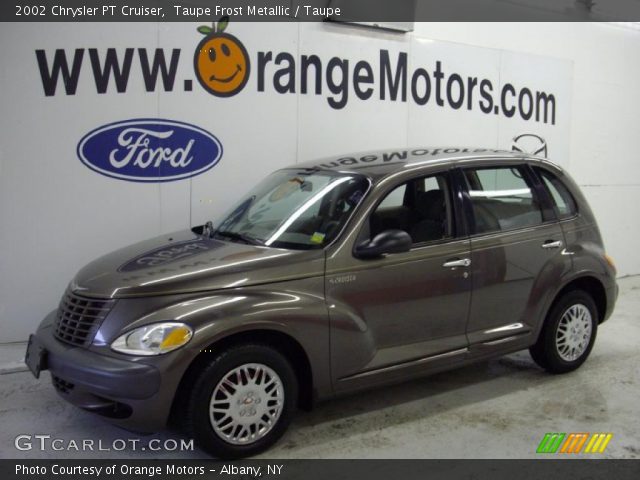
[431, 215]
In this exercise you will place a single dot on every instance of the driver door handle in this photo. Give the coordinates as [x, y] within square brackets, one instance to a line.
[552, 244]
[464, 262]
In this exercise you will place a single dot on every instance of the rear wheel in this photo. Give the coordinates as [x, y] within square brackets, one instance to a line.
[568, 333]
[242, 401]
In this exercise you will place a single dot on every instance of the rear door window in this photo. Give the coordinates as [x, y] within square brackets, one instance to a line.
[502, 199]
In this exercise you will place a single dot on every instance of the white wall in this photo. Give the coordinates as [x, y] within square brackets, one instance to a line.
[56, 214]
[605, 123]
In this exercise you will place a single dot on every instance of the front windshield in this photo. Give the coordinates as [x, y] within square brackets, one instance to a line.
[294, 209]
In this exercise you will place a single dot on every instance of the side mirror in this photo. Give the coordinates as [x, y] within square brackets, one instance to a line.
[389, 241]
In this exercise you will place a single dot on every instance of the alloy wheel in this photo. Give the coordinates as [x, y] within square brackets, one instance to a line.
[574, 332]
[246, 404]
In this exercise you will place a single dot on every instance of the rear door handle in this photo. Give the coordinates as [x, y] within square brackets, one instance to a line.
[464, 262]
[552, 244]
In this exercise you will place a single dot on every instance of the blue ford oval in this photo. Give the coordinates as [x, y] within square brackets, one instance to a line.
[149, 150]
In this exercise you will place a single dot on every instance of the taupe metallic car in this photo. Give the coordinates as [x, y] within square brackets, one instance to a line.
[328, 278]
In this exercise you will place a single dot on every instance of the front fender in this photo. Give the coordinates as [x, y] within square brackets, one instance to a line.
[296, 309]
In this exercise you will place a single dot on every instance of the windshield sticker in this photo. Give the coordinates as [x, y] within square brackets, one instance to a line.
[317, 237]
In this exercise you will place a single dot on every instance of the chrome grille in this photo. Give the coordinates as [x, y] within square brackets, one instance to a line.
[79, 318]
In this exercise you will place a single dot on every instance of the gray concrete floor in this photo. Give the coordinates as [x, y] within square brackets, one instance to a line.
[12, 357]
[497, 409]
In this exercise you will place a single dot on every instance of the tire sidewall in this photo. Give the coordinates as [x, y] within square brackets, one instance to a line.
[203, 431]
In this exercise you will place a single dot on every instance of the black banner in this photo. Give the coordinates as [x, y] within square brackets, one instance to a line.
[390, 14]
[547, 469]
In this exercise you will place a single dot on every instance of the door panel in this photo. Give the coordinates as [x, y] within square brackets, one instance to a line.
[390, 312]
[515, 251]
[398, 309]
[509, 271]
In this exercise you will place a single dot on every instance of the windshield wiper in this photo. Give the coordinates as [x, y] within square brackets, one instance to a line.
[238, 236]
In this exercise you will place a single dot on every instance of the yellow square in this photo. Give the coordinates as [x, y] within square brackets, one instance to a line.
[317, 237]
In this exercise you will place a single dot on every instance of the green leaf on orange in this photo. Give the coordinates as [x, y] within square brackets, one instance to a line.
[223, 23]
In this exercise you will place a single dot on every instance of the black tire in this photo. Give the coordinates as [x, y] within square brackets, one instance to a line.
[197, 421]
[546, 352]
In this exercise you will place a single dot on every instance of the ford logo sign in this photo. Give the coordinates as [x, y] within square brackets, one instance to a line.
[149, 150]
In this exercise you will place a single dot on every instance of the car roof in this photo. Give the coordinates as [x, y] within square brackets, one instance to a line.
[377, 164]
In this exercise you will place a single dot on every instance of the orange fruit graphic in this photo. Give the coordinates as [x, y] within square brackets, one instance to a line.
[221, 62]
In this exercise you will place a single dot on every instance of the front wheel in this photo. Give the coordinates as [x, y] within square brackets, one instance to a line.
[242, 401]
[568, 333]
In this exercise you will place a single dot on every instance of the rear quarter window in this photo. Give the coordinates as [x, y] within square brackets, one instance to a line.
[563, 202]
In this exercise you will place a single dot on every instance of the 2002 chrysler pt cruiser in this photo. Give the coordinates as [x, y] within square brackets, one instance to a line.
[328, 278]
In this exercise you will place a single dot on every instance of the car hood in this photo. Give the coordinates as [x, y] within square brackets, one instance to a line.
[185, 262]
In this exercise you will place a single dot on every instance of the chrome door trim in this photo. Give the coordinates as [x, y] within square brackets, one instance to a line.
[504, 328]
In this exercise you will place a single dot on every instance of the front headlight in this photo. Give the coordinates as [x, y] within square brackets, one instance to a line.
[153, 339]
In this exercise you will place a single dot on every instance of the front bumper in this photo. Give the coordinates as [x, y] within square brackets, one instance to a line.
[131, 393]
